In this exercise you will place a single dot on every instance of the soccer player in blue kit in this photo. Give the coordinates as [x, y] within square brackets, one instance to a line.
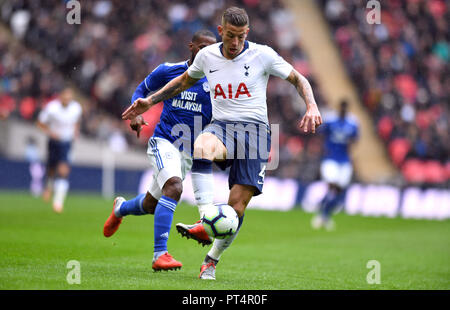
[340, 132]
[167, 152]
[237, 71]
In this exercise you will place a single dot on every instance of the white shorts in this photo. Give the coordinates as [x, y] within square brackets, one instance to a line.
[167, 162]
[336, 173]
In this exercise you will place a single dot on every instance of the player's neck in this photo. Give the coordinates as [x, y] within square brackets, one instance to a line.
[227, 56]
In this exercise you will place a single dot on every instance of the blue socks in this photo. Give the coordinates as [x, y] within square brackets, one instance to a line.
[133, 206]
[202, 166]
[330, 202]
[163, 221]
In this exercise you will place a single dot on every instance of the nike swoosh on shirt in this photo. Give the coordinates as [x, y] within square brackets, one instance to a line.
[212, 71]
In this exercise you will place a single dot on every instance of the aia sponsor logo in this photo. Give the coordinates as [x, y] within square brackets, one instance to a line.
[241, 90]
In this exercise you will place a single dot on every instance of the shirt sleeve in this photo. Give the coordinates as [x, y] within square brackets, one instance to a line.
[154, 81]
[79, 112]
[275, 64]
[195, 70]
[44, 115]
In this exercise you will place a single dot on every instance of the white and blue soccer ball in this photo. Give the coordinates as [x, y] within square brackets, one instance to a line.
[220, 221]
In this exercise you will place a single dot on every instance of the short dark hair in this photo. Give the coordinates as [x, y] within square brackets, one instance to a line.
[235, 16]
[203, 33]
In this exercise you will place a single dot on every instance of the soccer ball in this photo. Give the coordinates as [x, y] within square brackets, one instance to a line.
[220, 221]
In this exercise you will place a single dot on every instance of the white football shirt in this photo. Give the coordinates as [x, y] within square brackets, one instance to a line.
[238, 86]
[61, 120]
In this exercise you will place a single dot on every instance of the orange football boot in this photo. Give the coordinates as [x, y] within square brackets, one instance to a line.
[195, 231]
[113, 222]
[166, 262]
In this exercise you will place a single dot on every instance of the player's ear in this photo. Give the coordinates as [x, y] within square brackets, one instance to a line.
[220, 29]
[191, 46]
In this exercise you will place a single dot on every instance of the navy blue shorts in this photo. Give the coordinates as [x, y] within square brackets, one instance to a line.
[248, 148]
[58, 151]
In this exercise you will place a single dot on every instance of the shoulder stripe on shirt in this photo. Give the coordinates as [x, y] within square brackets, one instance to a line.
[145, 82]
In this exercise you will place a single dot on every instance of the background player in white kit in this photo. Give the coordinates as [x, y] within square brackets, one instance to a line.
[59, 120]
[237, 72]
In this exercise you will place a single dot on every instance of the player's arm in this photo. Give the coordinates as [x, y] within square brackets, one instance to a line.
[312, 117]
[46, 130]
[77, 130]
[141, 91]
[171, 89]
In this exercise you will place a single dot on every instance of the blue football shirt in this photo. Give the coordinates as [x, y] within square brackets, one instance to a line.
[185, 109]
[339, 133]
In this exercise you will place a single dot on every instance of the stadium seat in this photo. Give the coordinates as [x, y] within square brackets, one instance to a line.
[447, 170]
[398, 149]
[385, 126]
[413, 171]
[27, 107]
[434, 172]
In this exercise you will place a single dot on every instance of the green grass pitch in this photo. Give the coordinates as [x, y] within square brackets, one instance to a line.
[274, 250]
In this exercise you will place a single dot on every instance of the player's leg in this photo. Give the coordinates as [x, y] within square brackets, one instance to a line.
[52, 161]
[164, 211]
[240, 196]
[49, 181]
[246, 180]
[339, 177]
[207, 148]
[329, 172]
[140, 205]
[61, 186]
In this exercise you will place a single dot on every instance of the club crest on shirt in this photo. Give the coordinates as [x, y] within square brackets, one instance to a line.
[246, 67]
[206, 87]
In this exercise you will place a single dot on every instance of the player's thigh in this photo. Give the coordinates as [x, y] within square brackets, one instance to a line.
[209, 146]
[62, 158]
[165, 160]
[63, 169]
[154, 188]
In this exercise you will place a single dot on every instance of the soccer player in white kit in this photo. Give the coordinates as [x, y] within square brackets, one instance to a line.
[59, 120]
[237, 71]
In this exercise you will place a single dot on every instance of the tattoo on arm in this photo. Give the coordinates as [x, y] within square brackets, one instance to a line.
[303, 87]
[173, 88]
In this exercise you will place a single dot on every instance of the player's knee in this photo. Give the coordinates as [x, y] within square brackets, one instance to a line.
[205, 146]
[149, 204]
[173, 188]
[63, 170]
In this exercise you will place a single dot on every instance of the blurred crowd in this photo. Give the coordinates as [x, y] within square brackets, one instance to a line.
[400, 67]
[118, 43]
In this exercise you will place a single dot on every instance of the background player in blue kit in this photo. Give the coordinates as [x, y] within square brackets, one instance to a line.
[167, 152]
[340, 132]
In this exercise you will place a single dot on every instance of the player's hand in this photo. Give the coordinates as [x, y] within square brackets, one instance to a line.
[137, 123]
[138, 107]
[53, 136]
[311, 120]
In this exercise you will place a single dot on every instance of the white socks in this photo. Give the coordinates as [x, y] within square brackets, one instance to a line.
[220, 245]
[203, 185]
[61, 187]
